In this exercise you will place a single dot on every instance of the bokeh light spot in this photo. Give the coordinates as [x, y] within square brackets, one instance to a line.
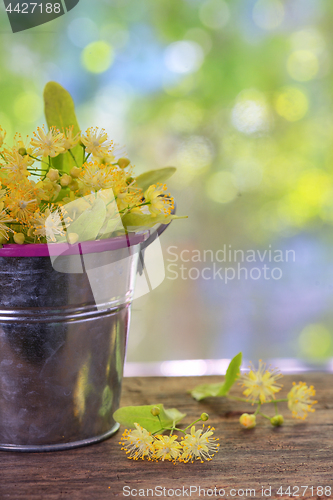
[268, 14]
[184, 57]
[221, 187]
[250, 113]
[291, 103]
[308, 39]
[315, 341]
[302, 65]
[195, 155]
[28, 107]
[214, 14]
[97, 57]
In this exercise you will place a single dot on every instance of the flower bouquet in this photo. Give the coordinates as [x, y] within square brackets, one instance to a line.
[73, 222]
[68, 185]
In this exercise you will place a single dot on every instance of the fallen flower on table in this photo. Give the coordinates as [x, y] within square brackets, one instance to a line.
[260, 388]
[153, 445]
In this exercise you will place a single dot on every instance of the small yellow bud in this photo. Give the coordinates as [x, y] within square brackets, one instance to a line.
[53, 174]
[30, 232]
[73, 186]
[72, 238]
[277, 420]
[204, 417]
[155, 411]
[22, 152]
[19, 238]
[123, 162]
[247, 421]
[75, 172]
[65, 180]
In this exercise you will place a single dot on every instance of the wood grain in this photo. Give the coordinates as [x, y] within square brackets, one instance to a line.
[297, 454]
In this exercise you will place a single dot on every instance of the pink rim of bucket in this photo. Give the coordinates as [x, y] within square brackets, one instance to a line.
[54, 249]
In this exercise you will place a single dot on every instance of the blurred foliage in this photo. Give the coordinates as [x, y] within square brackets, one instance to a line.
[240, 88]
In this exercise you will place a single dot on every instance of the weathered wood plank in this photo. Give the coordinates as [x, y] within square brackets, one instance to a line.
[297, 454]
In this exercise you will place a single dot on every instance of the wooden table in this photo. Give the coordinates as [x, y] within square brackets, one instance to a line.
[297, 454]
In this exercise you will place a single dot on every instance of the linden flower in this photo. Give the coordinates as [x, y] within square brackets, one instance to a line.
[4, 219]
[96, 176]
[138, 443]
[96, 142]
[127, 195]
[70, 141]
[158, 202]
[21, 204]
[49, 224]
[22, 147]
[199, 445]
[167, 447]
[48, 144]
[261, 384]
[16, 166]
[299, 402]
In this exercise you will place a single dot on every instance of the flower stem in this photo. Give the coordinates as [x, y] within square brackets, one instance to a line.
[198, 420]
[70, 152]
[263, 415]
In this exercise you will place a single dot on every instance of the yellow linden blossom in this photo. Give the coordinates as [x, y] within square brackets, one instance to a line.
[97, 142]
[127, 195]
[48, 224]
[261, 384]
[2, 136]
[16, 166]
[70, 141]
[4, 219]
[167, 447]
[96, 176]
[24, 148]
[299, 402]
[199, 445]
[21, 203]
[138, 443]
[48, 144]
[158, 201]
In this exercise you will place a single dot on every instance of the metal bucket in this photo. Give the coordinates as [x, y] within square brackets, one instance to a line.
[64, 320]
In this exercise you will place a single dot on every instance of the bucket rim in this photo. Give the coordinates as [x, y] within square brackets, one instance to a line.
[82, 248]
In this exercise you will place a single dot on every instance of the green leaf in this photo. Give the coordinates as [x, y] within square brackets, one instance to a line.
[129, 415]
[203, 391]
[232, 374]
[133, 221]
[89, 223]
[109, 227]
[60, 113]
[153, 176]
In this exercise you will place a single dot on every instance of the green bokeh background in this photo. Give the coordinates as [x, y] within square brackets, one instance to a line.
[238, 96]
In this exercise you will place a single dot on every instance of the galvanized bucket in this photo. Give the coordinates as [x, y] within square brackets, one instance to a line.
[64, 319]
